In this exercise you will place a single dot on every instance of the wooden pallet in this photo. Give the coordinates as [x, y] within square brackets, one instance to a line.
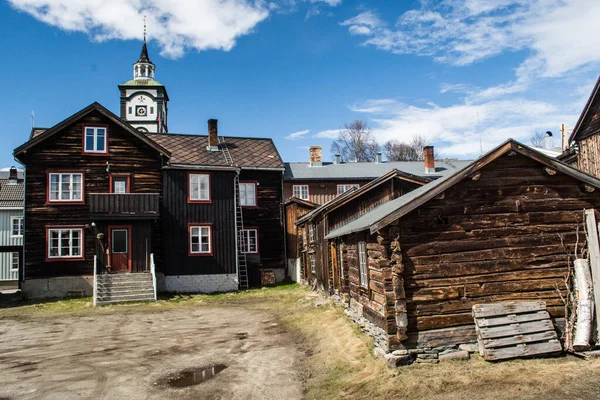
[514, 329]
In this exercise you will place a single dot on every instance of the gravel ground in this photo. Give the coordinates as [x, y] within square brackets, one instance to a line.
[132, 355]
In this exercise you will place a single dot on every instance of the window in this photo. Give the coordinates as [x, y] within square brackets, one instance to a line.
[199, 188]
[313, 264]
[248, 194]
[249, 241]
[341, 260]
[200, 240]
[129, 110]
[65, 187]
[300, 191]
[151, 110]
[362, 262]
[14, 264]
[17, 226]
[344, 188]
[65, 243]
[119, 184]
[94, 140]
[311, 234]
[304, 237]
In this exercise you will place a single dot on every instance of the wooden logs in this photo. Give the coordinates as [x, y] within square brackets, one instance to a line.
[585, 305]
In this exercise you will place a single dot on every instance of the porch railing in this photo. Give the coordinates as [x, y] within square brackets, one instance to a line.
[153, 271]
[95, 287]
[131, 205]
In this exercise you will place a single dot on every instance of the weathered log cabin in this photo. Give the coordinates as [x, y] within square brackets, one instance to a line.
[316, 254]
[584, 141]
[498, 229]
[117, 207]
[11, 227]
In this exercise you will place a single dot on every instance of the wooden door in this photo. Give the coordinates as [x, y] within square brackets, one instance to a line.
[334, 266]
[119, 246]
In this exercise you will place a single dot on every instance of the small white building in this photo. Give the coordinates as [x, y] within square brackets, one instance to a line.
[11, 226]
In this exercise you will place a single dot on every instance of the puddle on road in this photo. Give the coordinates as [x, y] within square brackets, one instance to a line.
[195, 376]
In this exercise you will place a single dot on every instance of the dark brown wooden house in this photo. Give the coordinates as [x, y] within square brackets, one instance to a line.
[317, 254]
[498, 229]
[584, 149]
[295, 208]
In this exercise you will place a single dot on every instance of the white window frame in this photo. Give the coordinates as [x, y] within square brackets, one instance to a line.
[341, 260]
[95, 131]
[196, 179]
[20, 229]
[61, 232]
[311, 233]
[14, 255]
[245, 245]
[362, 264]
[345, 187]
[300, 192]
[71, 192]
[304, 236]
[197, 231]
[246, 201]
[312, 259]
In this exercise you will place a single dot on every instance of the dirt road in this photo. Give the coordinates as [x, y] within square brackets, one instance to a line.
[135, 355]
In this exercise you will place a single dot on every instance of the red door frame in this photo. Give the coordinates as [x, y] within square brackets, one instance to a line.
[110, 229]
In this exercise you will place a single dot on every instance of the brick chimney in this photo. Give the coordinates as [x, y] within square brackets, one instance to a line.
[429, 159]
[213, 135]
[13, 177]
[316, 156]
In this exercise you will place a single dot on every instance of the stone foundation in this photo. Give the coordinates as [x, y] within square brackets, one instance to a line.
[65, 286]
[198, 283]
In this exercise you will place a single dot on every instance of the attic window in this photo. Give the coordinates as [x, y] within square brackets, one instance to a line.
[94, 140]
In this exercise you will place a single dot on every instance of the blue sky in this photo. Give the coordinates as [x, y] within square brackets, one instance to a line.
[298, 70]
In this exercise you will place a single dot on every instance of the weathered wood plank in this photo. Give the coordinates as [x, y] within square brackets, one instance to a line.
[594, 251]
[513, 319]
[515, 329]
[524, 350]
[490, 310]
[519, 339]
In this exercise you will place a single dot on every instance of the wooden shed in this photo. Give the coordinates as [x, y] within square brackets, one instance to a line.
[294, 209]
[498, 229]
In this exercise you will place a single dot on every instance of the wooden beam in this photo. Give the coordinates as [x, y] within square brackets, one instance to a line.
[588, 188]
[594, 251]
[549, 171]
[476, 176]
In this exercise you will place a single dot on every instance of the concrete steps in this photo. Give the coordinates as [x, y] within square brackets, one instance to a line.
[119, 288]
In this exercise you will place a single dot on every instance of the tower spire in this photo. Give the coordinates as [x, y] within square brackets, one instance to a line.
[144, 28]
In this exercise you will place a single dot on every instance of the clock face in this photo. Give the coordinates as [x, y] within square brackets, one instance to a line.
[141, 111]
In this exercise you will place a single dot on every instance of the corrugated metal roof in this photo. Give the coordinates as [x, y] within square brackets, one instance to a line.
[142, 82]
[366, 220]
[367, 170]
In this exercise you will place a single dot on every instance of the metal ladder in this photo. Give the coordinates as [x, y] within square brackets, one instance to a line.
[239, 218]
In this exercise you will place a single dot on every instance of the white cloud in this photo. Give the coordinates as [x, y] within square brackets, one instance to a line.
[455, 129]
[559, 34]
[297, 135]
[177, 25]
[331, 3]
[327, 134]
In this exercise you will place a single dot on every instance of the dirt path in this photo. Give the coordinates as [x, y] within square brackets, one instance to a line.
[130, 356]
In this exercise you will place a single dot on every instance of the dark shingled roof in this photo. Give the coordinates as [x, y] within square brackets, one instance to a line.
[11, 195]
[245, 152]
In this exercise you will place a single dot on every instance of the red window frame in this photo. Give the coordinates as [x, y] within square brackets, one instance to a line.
[189, 191]
[210, 239]
[110, 181]
[94, 153]
[61, 259]
[255, 193]
[64, 202]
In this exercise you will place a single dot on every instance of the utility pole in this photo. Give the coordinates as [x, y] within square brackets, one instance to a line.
[564, 134]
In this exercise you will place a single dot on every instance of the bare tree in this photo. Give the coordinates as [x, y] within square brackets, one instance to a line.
[356, 142]
[538, 139]
[398, 151]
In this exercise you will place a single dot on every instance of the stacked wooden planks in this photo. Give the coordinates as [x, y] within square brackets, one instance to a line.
[514, 329]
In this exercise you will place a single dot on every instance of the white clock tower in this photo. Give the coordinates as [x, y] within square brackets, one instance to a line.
[144, 99]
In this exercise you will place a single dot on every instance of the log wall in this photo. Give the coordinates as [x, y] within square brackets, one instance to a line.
[494, 239]
[588, 159]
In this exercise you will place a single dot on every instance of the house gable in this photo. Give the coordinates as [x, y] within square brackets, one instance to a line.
[589, 121]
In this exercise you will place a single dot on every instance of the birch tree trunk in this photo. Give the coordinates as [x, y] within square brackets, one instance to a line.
[585, 306]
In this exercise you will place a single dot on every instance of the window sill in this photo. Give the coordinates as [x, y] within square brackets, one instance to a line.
[200, 254]
[190, 201]
[63, 203]
[55, 259]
